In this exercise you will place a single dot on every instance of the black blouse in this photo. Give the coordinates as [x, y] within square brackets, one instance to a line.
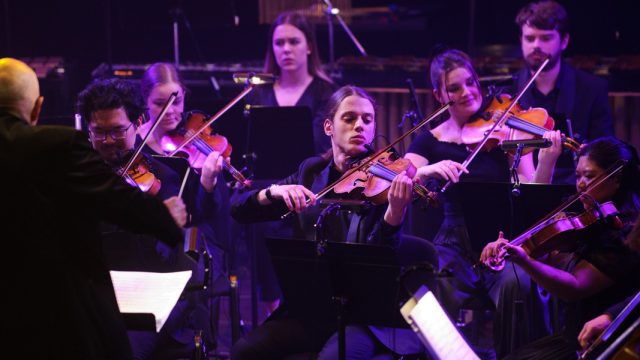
[487, 166]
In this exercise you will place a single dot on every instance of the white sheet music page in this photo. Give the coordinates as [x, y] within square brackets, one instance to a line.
[434, 328]
[146, 292]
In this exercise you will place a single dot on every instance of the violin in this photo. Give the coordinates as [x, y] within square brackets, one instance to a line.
[519, 125]
[197, 149]
[139, 174]
[560, 232]
[375, 176]
[378, 165]
[480, 143]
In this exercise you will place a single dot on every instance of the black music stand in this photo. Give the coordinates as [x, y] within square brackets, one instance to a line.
[278, 139]
[139, 321]
[348, 282]
[491, 207]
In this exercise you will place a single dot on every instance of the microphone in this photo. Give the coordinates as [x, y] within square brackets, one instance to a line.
[530, 143]
[253, 78]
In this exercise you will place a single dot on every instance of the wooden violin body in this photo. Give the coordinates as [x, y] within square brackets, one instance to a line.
[374, 178]
[560, 232]
[519, 125]
[202, 145]
[139, 175]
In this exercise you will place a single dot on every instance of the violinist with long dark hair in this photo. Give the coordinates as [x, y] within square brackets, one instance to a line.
[112, 109]
[350, 125]
[604, 270]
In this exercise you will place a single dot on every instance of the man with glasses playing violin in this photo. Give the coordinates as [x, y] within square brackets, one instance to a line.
[111, 109]
[59, 302]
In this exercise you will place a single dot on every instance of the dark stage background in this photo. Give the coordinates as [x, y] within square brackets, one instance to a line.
[73, 38]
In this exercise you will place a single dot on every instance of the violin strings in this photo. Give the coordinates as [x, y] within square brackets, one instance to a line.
[206, 149]
[531, 128]
[383, 170]
[527, 126]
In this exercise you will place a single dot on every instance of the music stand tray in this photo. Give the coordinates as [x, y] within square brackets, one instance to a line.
[490, 207]
[367, 276]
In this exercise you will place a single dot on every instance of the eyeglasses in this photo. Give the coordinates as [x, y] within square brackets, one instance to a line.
[116, 134]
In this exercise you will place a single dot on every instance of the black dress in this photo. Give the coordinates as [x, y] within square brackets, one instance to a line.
[472, 287]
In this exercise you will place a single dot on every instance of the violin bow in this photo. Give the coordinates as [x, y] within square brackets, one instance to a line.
[611, 171]
[424, 122]
[161, 115]
[499, 122]
[251, 81]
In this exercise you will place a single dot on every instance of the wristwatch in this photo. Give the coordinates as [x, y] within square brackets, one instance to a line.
[268, 193]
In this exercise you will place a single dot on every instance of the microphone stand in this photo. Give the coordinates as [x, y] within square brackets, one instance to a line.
[514, 170]
[519, 147]
[175, 15]
[414, 114]
[320, 238]
[335, 12]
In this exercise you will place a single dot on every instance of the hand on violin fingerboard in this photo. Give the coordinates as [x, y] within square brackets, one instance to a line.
[177, 209]
[548, 156]
[211, 167]
[446, 170]
[399, 196]
[294, 196]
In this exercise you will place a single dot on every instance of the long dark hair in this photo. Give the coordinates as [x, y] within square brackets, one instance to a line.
[447, 61]
[300, 22]
[331, 108]
[605, 152]
[342, 93]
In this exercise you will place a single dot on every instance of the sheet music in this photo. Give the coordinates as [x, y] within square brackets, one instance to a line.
[146, 292]
[431, 323]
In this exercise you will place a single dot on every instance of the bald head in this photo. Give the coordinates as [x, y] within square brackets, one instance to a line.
[19, 90]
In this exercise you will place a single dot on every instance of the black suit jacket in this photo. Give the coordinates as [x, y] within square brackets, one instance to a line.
[313, 173]
[58, 300]
[583, 99]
